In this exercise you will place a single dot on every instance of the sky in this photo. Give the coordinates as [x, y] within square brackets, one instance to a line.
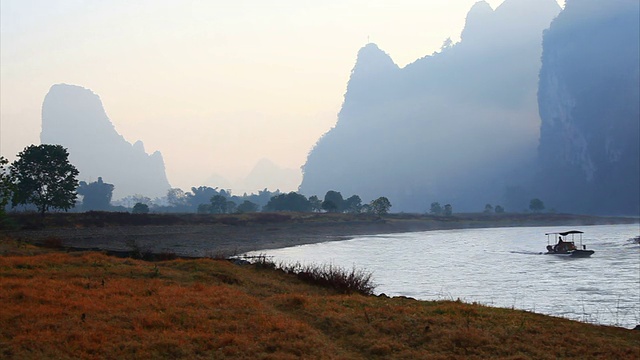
[215, 86]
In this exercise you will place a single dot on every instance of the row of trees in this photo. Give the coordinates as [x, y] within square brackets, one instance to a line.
[439, 210]
[535, 206]
[333, 202]
[488, 209]
[42, 176]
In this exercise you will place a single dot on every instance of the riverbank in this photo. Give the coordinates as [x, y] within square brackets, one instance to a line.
[192, 235]
[86, 305]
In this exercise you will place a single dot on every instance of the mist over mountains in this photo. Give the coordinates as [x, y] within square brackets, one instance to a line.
[264, 175]
[460, 126]
[74, 117]
[589, 153]
[485, 121]
[532, 102]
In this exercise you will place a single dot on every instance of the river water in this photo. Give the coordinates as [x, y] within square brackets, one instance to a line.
[502, 267]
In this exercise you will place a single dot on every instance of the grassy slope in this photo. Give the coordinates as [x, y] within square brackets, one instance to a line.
[89, 305]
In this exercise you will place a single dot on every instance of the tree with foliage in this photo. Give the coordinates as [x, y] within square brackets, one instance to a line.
[140, 208]
[366, 209]
[231, 207]
[336, 198]
[262, 198]
[499, 209]
[536, 205]
[130, 200]
[488, 209]
[353, 204]
[381, 206]
[43, 176]
[329, 206]
[435, 209]
[138, 198]
[247, 207]
[448, 210]
[218, 204]
[316, 204]
[96, 195]
[176, 197]
[201, 195]
[288, 202]
[5, 185]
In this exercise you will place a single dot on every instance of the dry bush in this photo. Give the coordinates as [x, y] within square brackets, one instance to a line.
[330, 276]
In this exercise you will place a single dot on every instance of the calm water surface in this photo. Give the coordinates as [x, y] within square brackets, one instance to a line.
[500, 267]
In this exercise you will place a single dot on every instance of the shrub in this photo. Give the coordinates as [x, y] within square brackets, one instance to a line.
[329, 276]
[140, 208]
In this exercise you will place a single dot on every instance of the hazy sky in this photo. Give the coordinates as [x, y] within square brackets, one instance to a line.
[213, 85]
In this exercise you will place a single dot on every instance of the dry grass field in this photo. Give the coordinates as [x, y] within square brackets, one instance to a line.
[87, 305]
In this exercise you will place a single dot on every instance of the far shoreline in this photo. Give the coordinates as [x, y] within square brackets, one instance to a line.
[223, 236]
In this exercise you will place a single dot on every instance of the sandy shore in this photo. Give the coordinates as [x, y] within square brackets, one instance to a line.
[220, 239]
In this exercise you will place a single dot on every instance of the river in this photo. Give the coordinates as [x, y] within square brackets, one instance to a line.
[502, 267]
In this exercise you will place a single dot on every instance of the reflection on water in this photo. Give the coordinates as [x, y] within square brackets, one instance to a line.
[501, 267]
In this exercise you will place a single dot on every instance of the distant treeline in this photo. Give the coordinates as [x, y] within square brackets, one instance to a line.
[42, 178]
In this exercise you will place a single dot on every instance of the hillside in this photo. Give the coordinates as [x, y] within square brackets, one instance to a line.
[458, 126]
[75, 118]
[589, 100]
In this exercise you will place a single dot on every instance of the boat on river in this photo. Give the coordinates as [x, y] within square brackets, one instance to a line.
[564, 244]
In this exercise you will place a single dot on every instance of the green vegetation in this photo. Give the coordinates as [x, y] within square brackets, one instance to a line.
[353, 204]
[218, 205]
[289, 202]
[247, 207]
[43, 176]
[536, 205]
[436, 208]
[333, 202]
[96, 195]
[140, 208]
[380, 206]
[6, 186]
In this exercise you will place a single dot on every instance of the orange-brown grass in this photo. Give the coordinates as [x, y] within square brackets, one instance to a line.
[89, 305]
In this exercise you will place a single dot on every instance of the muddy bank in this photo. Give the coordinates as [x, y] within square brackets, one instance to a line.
[210, 235]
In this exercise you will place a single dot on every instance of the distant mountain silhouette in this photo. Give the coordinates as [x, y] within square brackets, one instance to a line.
[589, 154]
[216, 180]
[266, 174]
[73, 117]
[457, 127]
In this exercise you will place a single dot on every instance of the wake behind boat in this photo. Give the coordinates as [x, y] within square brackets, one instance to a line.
[567, 246]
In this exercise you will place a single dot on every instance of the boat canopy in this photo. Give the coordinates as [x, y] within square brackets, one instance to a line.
[566, 233]
[571, 232]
